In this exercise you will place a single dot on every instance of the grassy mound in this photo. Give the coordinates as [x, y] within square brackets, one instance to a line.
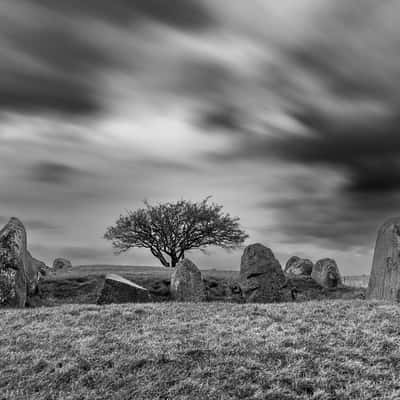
[316, 350]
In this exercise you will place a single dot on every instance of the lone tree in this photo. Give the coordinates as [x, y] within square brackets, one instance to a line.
[170, 229]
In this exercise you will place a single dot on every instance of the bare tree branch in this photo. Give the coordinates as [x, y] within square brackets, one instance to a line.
[170, 229]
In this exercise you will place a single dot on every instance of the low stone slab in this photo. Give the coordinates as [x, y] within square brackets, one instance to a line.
[117, 289]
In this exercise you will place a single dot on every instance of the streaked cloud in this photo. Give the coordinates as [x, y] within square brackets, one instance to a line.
[286, 112]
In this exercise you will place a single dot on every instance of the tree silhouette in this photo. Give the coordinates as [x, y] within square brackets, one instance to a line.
[170, 229]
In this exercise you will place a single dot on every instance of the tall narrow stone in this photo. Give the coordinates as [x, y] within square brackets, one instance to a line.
[13, 264]
[19, 271]
[384, 281]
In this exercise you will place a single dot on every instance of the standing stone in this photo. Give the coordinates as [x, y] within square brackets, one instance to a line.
[13, 264]
[261, 275]
[297, 266]
[61, 264]
[326, 273]
[19, 271]
[117, 289]
[186, 282]
[384, 281]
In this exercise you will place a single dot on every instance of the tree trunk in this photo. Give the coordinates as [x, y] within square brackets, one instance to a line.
[174, 260]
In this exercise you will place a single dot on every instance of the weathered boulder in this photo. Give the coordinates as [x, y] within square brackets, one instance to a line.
[326, 273]
[384, 281]
[17, 276]
[261, 275]
[297, 266]
[117, 289]
[61, 264]
[220, 289]
[187, 283]
[160, 288]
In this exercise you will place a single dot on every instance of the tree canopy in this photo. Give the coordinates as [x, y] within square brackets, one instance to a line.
[169, 229]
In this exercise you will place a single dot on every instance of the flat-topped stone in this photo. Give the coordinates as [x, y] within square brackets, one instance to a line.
[117, 289]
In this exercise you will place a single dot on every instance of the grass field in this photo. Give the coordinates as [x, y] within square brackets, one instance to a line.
[312, 350]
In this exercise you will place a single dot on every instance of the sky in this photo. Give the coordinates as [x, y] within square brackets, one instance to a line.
[285, 112]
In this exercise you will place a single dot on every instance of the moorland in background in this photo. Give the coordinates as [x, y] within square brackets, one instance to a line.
[82, 284]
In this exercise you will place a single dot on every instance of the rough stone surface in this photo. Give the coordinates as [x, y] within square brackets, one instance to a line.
[226, 290]
[61, 264]
[384, 281]
[187, 283]
[117, 289]
[326, 273]
[261, 275]
[15, 265]
[160, 289]
[19, 271]
[297, 266]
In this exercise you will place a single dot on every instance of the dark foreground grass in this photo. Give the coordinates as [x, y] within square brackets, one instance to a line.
[316, 350]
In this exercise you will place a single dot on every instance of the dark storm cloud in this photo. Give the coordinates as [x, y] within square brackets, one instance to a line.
[340, 86]
[51, 58]
[27, 91]
[225, 117]
[336, 223]
[184, 14]
[367, 152]
[337, 89]
[53, 173]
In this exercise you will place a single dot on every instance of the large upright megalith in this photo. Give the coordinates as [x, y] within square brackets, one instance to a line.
[13, 263]
[19, 271]
[261, 275]
[384, 281]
